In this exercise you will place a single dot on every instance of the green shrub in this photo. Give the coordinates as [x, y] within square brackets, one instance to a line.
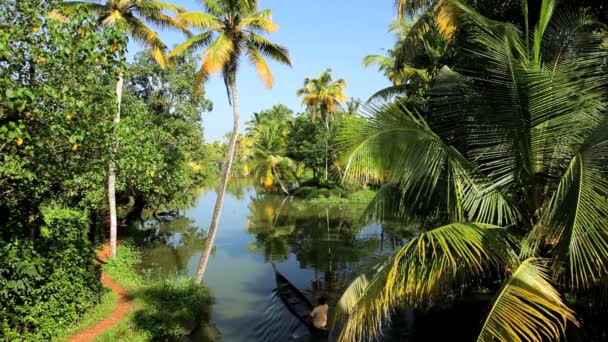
[50, 283]
[173, 308]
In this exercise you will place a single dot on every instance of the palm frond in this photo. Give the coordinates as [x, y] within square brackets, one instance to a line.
[200, 20]
[269, 49]
[527, 308]
[426, 269]
[262, 68]
[147, 37]
[201, 78]
[163, 21]
[388, 93]
[260, 22]
[218, 54]
[398, 147]
[574, 219]
[193, 43]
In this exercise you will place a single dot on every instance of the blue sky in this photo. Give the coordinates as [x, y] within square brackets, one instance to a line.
[319, 34]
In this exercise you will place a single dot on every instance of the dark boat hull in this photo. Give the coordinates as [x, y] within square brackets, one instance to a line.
[297, 304]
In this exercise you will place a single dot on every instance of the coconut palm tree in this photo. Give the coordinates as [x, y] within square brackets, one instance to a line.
[353, 106]
[135, 15]
[442, 12]
[512, 160]
[323, 96]
[414, 59]
[268, 160]
[228, 30]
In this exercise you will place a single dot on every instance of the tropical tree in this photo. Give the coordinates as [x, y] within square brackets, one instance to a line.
[413, 61]
[511, 159]
[323, 96]
[134, 15]
[441, 12]
[353, 106]
[269, 163]
[230, 29]
[268, 131]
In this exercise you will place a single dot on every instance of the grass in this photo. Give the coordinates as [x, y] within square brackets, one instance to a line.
[338, 196]
[108, 302]
[167, 309]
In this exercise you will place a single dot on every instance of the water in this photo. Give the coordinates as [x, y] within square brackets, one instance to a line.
[318, 248]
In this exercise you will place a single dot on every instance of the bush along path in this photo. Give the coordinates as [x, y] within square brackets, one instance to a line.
[119, 313]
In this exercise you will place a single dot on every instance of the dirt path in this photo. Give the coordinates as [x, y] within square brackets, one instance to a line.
[123, 308]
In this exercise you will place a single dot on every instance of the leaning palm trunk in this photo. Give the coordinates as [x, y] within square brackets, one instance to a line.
[112, 172]
[215, 219]
[283, 187]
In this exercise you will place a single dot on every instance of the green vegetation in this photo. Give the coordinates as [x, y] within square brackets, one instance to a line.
[132, 16]
[54, 129]
[58, 77]
[162, 309]
[107, 303]
[491, 140]
[160, 161]
[335, 196]
[503, 166]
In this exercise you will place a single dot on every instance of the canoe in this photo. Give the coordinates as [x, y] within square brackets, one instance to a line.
[297, 303]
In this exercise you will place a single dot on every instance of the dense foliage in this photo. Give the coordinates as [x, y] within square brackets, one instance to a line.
[160, 161]
[57, 79]
[505, 171]
[57, 84]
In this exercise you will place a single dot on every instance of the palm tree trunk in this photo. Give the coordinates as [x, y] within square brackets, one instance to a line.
[326, 148]
[276, 174]
[112, 171]
[215, 219]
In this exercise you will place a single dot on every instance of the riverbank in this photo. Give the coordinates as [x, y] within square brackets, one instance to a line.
[163, 309]
[335, 195]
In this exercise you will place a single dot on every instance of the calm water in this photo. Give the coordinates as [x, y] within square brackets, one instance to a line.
[318, 248]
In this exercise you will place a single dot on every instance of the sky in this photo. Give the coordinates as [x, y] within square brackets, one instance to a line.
[319, 34]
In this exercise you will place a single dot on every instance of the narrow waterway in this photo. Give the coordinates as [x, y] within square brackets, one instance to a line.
[317, 247]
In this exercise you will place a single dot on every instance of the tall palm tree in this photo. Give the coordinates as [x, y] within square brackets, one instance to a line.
[323, 96]
[512, 160]
[134, 14]
[230, 29]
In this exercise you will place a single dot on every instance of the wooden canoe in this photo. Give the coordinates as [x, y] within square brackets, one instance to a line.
[297, 303]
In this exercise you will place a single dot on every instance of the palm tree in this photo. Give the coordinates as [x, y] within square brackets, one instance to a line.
[134, 14]
[414, 59]
[229, 29]
[324, 96]
[353, 106]
[442, 12]
[268, 160]
[512, 162]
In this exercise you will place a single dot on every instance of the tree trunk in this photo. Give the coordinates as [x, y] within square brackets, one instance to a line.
[326, 149]
[215, 219]
[276, 175]
[112, 171]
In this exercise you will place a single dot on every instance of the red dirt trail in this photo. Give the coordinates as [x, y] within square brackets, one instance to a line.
[123, 308]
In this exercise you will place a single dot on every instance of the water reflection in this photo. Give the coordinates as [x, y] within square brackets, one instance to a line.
[318, 248]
